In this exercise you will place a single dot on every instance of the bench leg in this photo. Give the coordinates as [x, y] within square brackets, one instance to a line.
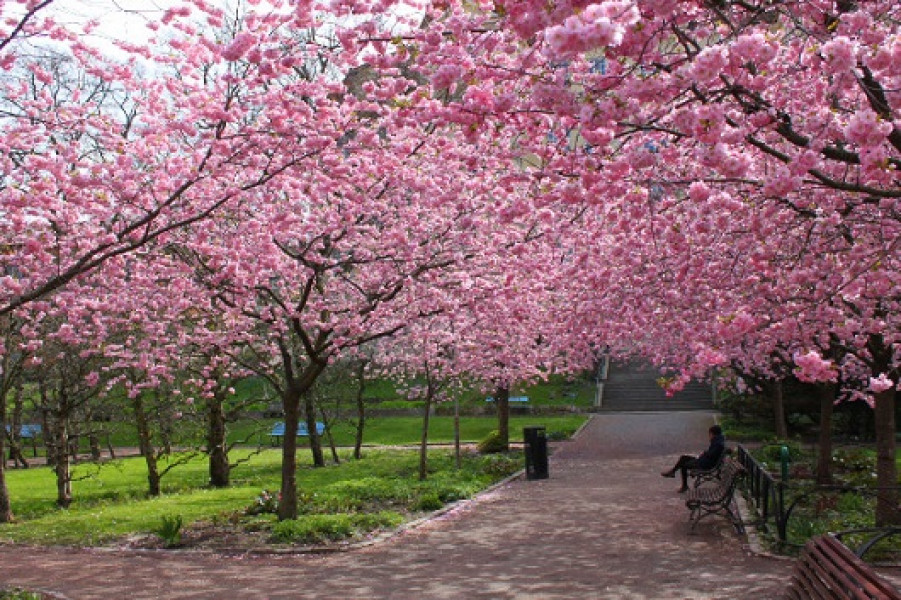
[735, 517]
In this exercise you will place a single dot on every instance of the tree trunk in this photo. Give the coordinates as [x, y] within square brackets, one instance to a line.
[502, 398]
[63, 476]
[145, 443]
[824, 459]
[329, 437]
[361, 411]
[287, 504]
[94, 442]
[886, 468]
[15, 428]
[164, 419]
[424, 441]
[309, 409]
[779, 410]
[49, 444]
[458, 457]
[220, 470]
[6, 513]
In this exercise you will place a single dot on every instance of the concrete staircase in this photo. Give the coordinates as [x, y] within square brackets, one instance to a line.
[633, 386]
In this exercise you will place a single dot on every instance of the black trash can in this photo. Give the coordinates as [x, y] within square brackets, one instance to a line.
[536, 452]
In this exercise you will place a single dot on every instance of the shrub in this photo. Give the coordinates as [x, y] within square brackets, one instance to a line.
[501, 465]
[170, 530]
[492, 443]
[17, 594]
[773, 452]
[356, 494]
[265, 503]
[855, 466]
[321, 528]
[428, 501]
[400, 405]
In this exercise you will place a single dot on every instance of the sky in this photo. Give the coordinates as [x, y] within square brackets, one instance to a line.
[118, 19]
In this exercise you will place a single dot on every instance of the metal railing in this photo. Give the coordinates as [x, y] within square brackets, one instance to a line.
[769, 492]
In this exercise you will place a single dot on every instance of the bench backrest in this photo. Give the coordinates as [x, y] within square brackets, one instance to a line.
[278, 430]
[730, 473]
[828, 569]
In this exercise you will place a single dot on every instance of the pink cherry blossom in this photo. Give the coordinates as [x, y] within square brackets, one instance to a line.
[881, 383]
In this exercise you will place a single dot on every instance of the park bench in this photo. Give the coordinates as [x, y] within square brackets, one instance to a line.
[713, 473]
[519, 400]
[27, 433]
[278, 431]
[827, 569]
[518, 404]
[718, 497]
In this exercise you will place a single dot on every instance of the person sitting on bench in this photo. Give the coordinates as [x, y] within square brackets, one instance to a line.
[705, 460]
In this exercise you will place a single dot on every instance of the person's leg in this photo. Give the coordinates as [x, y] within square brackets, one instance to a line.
[684, 459]
[690, 462]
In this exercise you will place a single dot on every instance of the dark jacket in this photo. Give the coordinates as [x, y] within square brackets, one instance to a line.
[712, 455]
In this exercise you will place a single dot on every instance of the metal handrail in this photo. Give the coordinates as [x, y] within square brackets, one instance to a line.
[768, 494]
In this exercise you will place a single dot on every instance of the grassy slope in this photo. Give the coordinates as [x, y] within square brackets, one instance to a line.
[112, 502]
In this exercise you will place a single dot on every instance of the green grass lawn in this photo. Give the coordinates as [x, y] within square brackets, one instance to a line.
[110, 500]
[389, 431]
[393, 431]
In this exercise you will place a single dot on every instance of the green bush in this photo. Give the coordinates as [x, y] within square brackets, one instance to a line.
[855, 466]
[19, 595]
[265, 503]
[401, 405]
[501, 465]
[320, 528]
[356, 494]
[428, 501]
[772, 453]
[170, 530]
[492, 443]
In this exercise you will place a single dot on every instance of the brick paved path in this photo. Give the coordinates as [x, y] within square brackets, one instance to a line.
[605, 525]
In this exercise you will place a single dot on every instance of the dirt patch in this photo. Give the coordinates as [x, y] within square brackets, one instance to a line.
[229, 539]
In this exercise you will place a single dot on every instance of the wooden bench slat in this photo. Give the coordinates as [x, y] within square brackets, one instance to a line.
[820, 578]
[863, 574]
[832, 567]
[812, 586]
[827, 569]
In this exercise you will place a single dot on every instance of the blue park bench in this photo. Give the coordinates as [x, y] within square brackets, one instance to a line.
[278, 431]
[29, 432]
[519, 405]
[512, 399]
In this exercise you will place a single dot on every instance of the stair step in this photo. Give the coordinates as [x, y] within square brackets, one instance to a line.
[633, 387]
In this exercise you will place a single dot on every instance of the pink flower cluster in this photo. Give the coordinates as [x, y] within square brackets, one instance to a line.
[812, 368]
[887, 58]
[446, 76]
[840, 54]
[865, 128]
[781, 183]
[239, 46]
[881, 384]
[753, 48]
[708, 64]
[597, 26]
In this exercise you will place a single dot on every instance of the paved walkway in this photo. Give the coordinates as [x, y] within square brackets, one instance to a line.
[605, 525]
